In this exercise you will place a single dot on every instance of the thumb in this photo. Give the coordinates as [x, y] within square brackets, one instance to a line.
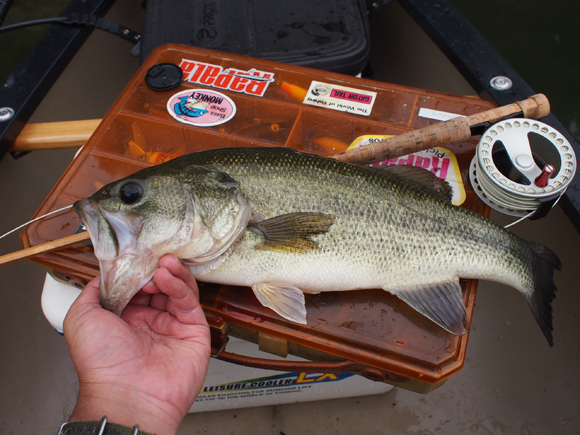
[86, 301]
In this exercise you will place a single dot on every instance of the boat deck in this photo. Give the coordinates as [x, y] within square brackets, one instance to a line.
[512, 382]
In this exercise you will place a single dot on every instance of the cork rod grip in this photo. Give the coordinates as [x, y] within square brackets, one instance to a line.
[453, 131]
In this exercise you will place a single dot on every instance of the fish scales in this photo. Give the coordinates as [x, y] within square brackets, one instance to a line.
[287, 223]
[401, 235]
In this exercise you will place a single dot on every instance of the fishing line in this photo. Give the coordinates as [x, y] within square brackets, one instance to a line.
[522, 167]
[519, 220]
[34, 220]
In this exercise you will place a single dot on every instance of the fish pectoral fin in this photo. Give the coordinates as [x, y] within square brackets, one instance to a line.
[442, 303]
[286, 300]
[291, 232]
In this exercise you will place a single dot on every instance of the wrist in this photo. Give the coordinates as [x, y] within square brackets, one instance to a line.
[127, 407]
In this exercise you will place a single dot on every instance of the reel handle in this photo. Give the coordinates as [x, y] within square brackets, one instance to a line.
[455, 130]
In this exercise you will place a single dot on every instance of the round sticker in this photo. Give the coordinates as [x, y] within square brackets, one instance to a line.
[201, 107]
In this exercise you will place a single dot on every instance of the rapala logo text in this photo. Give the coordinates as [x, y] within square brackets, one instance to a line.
[251, 82]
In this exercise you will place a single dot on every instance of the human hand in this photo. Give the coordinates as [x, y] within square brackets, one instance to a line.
[147, 366]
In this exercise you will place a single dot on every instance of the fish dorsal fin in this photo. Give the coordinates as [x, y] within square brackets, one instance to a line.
[291, 232]
[422, 178]
[286, 300]
[442, 303]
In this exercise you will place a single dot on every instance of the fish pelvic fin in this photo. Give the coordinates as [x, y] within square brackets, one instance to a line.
[441, 303]
[286, 300]
[291, 232]
[540, 298]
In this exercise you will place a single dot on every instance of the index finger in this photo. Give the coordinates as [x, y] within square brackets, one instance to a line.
[176, 281]
[180, 270]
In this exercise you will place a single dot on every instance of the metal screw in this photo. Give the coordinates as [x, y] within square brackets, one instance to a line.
[6, 113]
[501, 83]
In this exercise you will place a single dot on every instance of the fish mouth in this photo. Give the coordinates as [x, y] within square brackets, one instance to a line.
[123, 272]
[102, 235]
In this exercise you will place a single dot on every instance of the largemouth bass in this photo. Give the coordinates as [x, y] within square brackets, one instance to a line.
[286, 223]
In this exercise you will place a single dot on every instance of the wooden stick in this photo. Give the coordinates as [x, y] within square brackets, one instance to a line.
[54, 135]
[455, 130]
[45, 247]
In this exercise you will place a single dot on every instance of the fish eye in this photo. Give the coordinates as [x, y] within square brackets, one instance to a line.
[131, 193]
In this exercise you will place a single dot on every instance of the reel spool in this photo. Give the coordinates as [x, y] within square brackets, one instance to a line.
[522, 167]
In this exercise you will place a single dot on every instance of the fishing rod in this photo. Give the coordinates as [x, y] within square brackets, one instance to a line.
[70, 134]
[455, 130]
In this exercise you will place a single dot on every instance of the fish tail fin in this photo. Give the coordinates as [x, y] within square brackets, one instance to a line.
[540, 298]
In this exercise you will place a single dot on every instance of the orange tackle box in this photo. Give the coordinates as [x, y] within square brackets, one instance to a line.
[226, 100]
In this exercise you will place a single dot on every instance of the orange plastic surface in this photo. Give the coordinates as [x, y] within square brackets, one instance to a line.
[369, 326]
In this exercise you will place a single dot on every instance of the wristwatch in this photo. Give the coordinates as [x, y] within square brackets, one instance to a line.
[98, 427]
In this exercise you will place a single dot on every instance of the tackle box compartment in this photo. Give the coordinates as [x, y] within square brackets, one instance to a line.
[269, 104]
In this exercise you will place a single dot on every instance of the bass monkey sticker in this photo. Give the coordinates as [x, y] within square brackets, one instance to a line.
[201, 107]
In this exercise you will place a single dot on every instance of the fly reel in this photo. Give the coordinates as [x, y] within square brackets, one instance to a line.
[522, 167]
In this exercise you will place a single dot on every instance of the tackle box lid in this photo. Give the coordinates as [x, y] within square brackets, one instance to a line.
[243, 102]
[329, 35]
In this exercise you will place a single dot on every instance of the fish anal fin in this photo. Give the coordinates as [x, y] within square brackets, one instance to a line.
[291, 232]
[286, 300]
[441, 303]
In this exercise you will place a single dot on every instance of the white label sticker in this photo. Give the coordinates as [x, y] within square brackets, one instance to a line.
[341, 98]
[439, 115]
[439, 161]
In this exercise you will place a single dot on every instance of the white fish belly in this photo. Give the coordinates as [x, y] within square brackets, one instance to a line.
[347, 268]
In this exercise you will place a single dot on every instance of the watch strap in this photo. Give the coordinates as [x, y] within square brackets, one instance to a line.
[98, 427]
